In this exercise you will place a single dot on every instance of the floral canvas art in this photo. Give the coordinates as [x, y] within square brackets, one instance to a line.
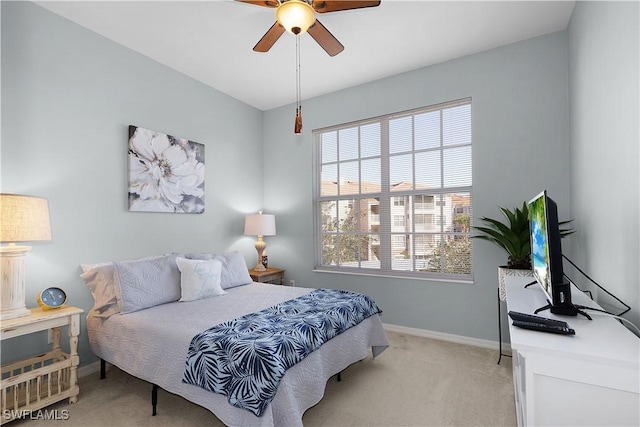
[166, 174]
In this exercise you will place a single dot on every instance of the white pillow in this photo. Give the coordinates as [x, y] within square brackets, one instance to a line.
[199, 278]
[234, 268]
[102, 279]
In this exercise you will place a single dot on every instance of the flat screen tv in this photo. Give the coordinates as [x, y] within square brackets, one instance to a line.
[546, 255]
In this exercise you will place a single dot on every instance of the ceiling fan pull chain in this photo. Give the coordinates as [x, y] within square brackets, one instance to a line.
[297, 128]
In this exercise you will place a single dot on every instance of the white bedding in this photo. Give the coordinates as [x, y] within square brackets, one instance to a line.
[152, 344]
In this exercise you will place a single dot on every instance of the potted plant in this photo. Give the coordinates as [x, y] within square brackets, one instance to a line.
[514, 237]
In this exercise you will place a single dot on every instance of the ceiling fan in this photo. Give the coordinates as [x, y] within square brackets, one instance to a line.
[298, 16]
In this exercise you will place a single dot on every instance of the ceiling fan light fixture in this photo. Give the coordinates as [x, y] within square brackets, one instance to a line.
[296, 16]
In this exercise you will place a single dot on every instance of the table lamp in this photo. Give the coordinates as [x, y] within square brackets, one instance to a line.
[260, 225]
[22, 219]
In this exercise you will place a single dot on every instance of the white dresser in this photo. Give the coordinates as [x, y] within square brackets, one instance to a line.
[589, 379]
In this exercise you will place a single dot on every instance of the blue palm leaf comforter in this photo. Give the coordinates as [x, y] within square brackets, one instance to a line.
[245, 358]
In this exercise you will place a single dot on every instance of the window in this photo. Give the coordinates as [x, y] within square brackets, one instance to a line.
[398, 201]
[398, 221]
[399, 239]
[424, 202]
[392, 194]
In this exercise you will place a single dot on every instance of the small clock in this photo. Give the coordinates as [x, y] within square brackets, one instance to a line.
[51, 298]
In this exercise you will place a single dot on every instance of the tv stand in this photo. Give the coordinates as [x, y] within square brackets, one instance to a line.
[592, 378]
[567, 310]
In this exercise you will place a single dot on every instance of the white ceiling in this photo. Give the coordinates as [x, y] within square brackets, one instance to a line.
[212, 41]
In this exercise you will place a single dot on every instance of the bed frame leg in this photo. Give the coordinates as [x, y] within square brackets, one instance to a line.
[339, 376]
[103, 369]
[154, 398]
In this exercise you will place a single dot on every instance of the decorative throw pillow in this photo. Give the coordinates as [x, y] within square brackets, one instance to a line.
[147, 283]
[199, 279]
[234, 267]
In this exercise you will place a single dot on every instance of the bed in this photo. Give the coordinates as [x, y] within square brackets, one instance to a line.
[151, 343]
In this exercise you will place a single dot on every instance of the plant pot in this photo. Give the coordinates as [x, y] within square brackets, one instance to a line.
[504, 271]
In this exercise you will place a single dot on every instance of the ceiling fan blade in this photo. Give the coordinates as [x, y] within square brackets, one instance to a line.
[265, 3]
[325, 39]
[323, 6]
[269, 38]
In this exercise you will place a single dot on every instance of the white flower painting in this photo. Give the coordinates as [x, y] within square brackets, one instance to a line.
[166, 174]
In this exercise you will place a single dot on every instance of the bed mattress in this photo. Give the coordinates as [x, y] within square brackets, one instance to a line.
[152, 344]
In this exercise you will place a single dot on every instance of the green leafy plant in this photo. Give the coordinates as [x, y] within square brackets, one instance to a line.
[514, 235]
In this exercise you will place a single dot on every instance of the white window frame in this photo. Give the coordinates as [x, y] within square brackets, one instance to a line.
[387, 199]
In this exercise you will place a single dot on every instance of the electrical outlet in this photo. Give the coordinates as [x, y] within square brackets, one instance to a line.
[292, 283]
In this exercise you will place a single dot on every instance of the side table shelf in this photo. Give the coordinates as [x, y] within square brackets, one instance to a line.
[41, 380]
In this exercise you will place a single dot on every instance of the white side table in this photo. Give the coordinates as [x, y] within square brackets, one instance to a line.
[34, 383]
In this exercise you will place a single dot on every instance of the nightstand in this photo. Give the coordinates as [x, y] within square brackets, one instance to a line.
[272, 275]
[34, 383]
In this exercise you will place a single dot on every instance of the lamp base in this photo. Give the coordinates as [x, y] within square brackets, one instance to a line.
[260, 247]
[12, 304]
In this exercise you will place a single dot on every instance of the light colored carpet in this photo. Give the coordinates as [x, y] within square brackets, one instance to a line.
[415, 382]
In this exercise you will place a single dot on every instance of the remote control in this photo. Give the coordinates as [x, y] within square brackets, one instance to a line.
[544, 328]
[532, 318]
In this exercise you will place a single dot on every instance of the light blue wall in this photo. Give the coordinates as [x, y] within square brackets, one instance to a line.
[68, 96]
[605, 146]
[520, 146]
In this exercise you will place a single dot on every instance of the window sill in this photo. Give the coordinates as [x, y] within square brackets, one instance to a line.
[399, 277]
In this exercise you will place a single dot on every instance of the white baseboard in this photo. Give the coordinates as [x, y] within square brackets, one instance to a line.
[493, 345]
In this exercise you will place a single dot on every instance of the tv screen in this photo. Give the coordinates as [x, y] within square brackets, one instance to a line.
[540, 261]
[546, 254]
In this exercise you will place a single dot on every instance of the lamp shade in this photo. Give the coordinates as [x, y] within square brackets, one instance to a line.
[24, 218]
[296, 16]
[259, 225]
